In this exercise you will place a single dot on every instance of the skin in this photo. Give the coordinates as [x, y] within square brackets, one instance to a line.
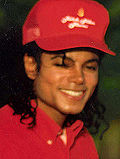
[79, 75]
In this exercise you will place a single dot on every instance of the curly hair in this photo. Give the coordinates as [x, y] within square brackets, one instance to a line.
[22, 94]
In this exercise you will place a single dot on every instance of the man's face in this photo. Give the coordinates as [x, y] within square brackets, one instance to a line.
[64, 86]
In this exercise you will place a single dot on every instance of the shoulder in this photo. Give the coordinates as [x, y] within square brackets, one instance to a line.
[84, 145]
[5, 110]
[7, 120]
[86, 136]
[5, 114]
[11, 134]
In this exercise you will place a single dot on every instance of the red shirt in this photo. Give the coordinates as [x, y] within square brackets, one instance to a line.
[43, 141]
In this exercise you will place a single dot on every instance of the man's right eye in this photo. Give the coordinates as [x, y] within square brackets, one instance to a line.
[61, 65]
[64, 62]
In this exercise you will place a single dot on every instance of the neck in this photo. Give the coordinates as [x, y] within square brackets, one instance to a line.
[53, 113]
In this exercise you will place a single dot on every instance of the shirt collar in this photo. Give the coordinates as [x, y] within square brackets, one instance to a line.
[51, 129]
[76, 127]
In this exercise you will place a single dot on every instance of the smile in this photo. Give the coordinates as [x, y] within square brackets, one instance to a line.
[73, 93]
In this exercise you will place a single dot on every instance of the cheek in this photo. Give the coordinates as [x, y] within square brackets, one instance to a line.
[49, 78]
[91, 83]
[91, 80]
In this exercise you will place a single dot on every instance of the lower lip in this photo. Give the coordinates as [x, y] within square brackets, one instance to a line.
[77, 98]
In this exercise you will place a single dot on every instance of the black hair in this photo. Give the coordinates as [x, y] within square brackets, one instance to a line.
[92, 115]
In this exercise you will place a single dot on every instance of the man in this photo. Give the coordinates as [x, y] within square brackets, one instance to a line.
[63, 44]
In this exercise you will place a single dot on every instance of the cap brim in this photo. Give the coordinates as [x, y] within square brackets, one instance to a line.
[72, 41]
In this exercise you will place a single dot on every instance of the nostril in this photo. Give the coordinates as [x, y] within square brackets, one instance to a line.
[77, 78]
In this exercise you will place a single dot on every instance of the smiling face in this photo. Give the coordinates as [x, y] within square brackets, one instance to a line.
[64, 86]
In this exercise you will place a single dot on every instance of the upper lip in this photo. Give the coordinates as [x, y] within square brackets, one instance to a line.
[75, 90]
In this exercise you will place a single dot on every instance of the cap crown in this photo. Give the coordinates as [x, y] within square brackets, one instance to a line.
[52, 21]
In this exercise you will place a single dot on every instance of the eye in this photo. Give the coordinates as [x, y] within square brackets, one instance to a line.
[61, 65]
[67, 62]
[91, 67]
[94, 68]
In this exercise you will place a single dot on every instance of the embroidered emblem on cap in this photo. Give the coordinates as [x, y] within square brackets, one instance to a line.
[78, 22]
[81, 12]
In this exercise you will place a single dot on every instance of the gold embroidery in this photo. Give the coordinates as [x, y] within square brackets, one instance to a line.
[81, 12]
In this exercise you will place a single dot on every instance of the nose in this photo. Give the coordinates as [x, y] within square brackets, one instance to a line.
[77, 76]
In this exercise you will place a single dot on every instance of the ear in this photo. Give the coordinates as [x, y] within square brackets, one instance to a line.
[30, 66]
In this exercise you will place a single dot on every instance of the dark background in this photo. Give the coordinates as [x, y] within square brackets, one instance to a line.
[12, 16]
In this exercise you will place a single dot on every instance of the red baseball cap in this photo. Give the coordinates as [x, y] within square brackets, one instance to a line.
[63, 24]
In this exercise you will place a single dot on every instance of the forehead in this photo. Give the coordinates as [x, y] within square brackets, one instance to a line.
[79, 55]
[74, 55]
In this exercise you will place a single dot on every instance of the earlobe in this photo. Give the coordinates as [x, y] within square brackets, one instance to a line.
[30, 66]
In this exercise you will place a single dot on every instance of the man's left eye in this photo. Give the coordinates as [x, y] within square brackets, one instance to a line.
[91, 67]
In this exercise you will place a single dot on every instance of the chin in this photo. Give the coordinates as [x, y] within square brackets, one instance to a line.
[72, 111]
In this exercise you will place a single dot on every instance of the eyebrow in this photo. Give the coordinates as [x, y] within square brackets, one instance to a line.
[93, 60]
[54, 57]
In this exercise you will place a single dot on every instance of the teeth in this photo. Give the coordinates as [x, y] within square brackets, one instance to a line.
[72, 93]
